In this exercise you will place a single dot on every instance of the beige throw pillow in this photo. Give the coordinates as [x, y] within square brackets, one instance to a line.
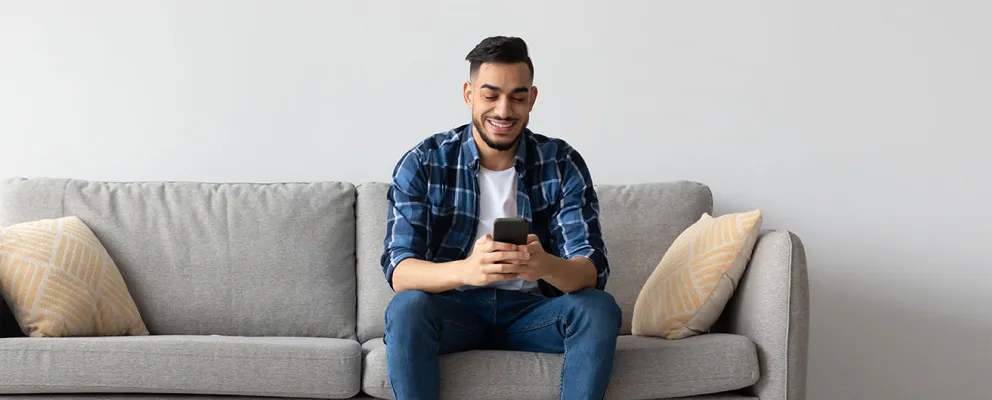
[60, 281]
[696, 278]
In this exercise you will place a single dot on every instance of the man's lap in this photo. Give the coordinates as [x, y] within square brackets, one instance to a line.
[489, 318]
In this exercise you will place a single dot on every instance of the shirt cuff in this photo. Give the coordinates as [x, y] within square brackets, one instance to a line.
[599, 261]
[395, 257]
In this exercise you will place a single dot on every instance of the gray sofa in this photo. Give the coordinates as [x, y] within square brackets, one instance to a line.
[276, 290]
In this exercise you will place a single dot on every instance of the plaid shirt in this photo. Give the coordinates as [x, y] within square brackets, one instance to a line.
[434, 202]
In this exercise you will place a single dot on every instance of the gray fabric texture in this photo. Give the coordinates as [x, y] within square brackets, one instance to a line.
[207, 397]
[645, 368]
[771, 307]
[374, 293]
[640, 222]
[252, 366]
[230, 259]
[129, 396]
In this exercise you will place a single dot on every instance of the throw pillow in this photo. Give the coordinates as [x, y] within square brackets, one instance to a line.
[60, 281]
[697, 276]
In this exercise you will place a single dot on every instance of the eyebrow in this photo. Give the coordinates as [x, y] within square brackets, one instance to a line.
[517, 90]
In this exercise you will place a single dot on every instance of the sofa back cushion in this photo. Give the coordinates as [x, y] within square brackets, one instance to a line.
[374, 293]
[639, 223]
[226, 259]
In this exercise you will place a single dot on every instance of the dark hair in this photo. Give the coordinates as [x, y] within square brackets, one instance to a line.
[499, 49]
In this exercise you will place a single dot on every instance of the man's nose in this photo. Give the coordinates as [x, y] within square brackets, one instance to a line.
[503, 108]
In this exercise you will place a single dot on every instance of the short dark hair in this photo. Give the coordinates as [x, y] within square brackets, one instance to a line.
[499, 49]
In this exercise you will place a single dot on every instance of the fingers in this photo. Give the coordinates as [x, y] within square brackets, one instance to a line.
[512, 269]
[502, 246]
[531, 238]
[486, 244]
[505, 256]
[490, 278]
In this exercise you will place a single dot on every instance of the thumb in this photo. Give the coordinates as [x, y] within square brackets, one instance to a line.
[485, 238]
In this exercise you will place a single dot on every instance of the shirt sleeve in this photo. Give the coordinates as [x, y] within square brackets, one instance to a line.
[406, 226]
[575, 224]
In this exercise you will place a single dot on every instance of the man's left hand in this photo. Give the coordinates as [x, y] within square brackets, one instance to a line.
[539, 265]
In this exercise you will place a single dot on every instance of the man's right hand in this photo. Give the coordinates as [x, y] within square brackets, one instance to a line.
[492, 261]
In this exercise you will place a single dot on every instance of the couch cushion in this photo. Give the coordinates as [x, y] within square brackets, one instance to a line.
[692, 284]
[373, 291]
[130, 396]
[258, 366]
[230, 259]
[61, 281]
[639, 223]
[644, 368]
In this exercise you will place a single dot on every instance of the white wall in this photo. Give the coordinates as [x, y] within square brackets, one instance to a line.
[861, 125]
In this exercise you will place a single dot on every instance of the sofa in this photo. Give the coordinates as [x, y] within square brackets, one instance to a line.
[261, 290]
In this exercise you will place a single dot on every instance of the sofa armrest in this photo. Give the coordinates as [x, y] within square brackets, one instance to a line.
[771, 307]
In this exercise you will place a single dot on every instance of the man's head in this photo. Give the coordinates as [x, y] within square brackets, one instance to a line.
[500, 91]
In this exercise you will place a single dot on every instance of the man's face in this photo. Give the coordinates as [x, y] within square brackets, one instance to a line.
[501, 97]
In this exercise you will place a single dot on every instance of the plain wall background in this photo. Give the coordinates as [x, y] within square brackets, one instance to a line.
[863, 126]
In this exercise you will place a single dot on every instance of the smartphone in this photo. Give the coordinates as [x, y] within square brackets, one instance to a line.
[511, 230]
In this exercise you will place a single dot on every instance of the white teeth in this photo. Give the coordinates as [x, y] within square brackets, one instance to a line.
[498, 125]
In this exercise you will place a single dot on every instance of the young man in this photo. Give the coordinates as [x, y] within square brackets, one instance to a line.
[456, 288]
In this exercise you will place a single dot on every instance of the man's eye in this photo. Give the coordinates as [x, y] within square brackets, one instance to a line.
[519, 99]
[491, 98]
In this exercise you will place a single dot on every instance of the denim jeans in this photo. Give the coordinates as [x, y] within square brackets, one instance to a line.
[420, 326]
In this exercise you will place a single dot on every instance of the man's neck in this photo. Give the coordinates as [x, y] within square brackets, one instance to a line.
[492, 159]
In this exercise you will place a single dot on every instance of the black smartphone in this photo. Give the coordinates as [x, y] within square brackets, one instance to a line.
[511, 230]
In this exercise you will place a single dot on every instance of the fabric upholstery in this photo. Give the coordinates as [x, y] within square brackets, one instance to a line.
[131, 396]
[695, 279]
[640, 222]
[256, 366]
[771, 306]
[201, 258]
[134, 396]
[645, 368]
[374, 293]
[60, 281]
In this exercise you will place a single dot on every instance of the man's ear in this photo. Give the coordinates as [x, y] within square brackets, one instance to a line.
[533, 96]
[467, 94]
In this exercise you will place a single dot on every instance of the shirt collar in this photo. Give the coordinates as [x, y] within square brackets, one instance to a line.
[471, 152]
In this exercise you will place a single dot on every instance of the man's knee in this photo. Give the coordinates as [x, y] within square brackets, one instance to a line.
[408, 304]
[597, 305]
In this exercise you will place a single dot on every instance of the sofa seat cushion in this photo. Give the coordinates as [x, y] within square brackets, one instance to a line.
[645, 368]
[216, 365]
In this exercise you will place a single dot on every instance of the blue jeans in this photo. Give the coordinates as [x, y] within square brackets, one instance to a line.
[420, 326]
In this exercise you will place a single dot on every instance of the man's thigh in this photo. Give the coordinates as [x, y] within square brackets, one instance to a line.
[527, 322]
[452, 318]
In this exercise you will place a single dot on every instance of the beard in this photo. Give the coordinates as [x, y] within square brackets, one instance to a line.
[492, 143]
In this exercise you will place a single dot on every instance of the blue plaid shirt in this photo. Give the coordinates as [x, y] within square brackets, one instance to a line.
[434, 202]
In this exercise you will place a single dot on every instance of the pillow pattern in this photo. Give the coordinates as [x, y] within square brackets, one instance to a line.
[697, 276]
[60, 281]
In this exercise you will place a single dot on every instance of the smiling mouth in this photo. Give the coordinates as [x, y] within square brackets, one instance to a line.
[500, 126]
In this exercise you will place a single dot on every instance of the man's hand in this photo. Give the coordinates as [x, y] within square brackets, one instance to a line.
[492, 261]
[539, 264]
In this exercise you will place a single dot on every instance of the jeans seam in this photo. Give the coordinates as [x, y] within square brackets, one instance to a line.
[455, 323]
[564, 359]
[536, 326]
[495, 307]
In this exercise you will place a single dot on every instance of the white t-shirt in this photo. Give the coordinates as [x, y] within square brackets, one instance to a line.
[498, 199]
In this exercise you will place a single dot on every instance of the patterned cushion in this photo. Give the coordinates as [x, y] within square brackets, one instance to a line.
[695, 279]
[59, 281]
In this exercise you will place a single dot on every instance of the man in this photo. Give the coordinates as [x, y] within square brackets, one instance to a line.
[456, 288]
